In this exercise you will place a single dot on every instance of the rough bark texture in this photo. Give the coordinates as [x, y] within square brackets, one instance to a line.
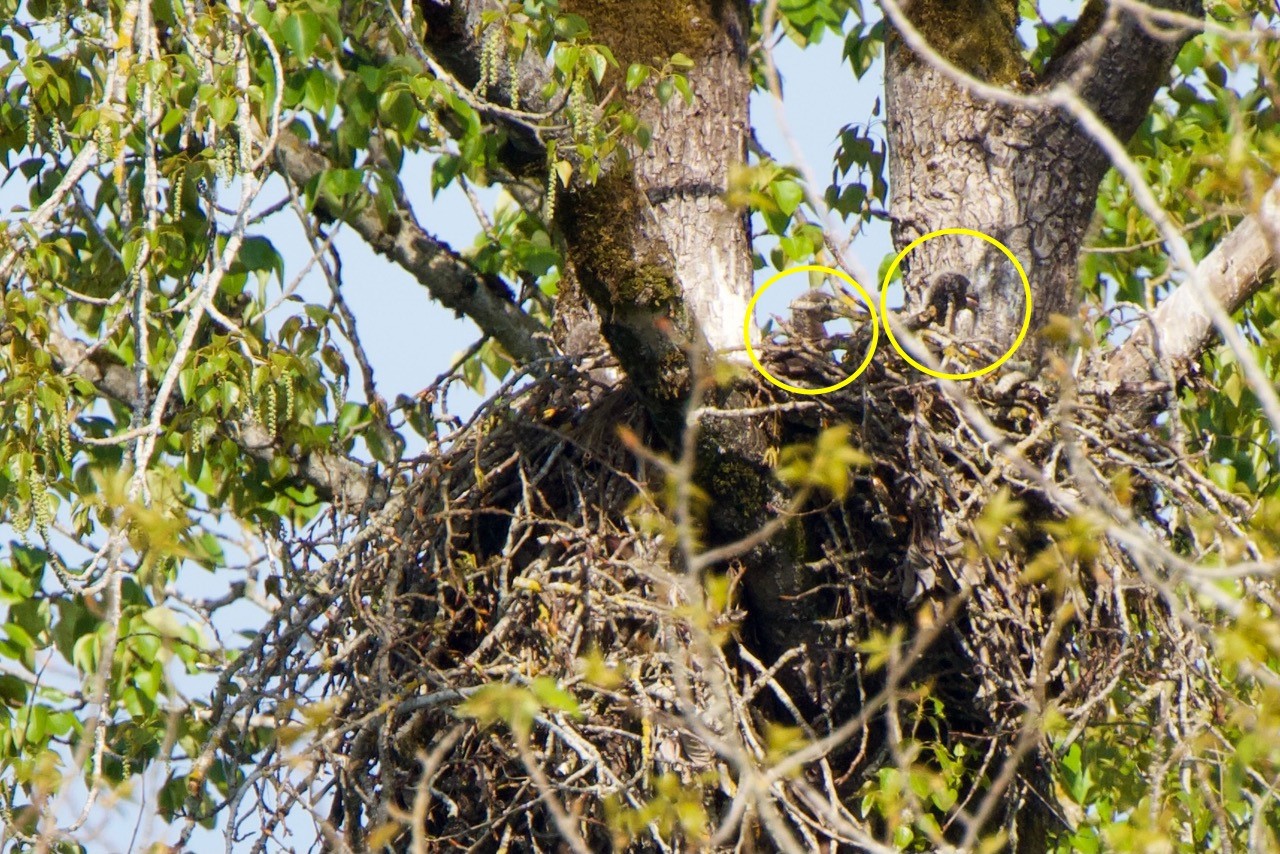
[666, 269]
[665, 262]
[1025, 175]
[684, 174]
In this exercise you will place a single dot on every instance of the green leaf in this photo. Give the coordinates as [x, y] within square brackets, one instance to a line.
[636, 75]
[280, 467]
[788, 194]
[824, 464]
[337, 184]
[20, 646]
[566, 58]
[1001, 512]
[552, 696]
[495, 360]
[163, 620]
[598, 64]
[222, 110]
[568, 27]
[1223, 474]
[665, 89]
[148, 681]
[301, 31]
[502, 702]
[260, 254]
[85, 653]
[682, 86]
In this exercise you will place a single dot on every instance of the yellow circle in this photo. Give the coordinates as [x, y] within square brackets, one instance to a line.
[811, 268]
[884, 304]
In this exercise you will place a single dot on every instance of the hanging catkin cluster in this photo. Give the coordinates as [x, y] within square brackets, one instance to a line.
[491, 60]
[226, 159]
[549, 201]
[579, 110]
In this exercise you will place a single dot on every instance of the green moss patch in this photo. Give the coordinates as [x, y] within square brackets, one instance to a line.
[649, 31]
[979, 36]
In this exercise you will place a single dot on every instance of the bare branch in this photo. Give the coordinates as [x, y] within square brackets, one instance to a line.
[446, 276]
[335, 478]
[1235, 270]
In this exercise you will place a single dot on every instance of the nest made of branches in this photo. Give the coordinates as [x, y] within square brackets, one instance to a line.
[530, 547]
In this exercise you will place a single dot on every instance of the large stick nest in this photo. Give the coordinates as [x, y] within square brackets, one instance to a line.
[528, 547]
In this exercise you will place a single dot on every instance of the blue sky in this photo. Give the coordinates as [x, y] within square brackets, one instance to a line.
[410, 339]
[411, 344]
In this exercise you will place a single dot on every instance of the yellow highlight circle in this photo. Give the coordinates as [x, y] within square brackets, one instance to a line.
[884, 304]
[811, 268]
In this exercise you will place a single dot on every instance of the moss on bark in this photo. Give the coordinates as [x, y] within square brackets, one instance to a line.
[602, 222]
[979, 36]
[631, 279]
[745, 486]
[649, 31]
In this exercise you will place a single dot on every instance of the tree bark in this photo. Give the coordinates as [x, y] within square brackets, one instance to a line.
[665, 262]
[1022, 173]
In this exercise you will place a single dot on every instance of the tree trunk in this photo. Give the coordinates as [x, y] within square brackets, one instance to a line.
[666, 268]
[665, 262]
[1024, 173]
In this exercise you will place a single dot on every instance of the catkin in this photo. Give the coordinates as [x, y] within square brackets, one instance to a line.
[578, 105]
[288, 398]
[175, 183]
[434, 126]
[490, 50]
[104, 138]
[64, 436]
[20, 518]
[41, 505]
[271, 424]
[47, 440]
[549, 203]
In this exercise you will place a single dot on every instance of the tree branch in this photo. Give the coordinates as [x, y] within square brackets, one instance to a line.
[1118, 56]
[1234, 271]
[449, 279]
[336, 478]
[454, 39]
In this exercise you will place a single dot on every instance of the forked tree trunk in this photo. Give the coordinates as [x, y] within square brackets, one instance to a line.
[666, 268]
[1024, 173]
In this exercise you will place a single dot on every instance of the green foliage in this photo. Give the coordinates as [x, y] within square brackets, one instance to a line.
[517, 706]
[677, 809]
[861, 154]
[99, 639]
[824, 464]
[1208, 148]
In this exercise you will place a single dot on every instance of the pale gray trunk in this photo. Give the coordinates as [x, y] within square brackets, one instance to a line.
[685, 174]
[1026, 175]
[958, 161]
